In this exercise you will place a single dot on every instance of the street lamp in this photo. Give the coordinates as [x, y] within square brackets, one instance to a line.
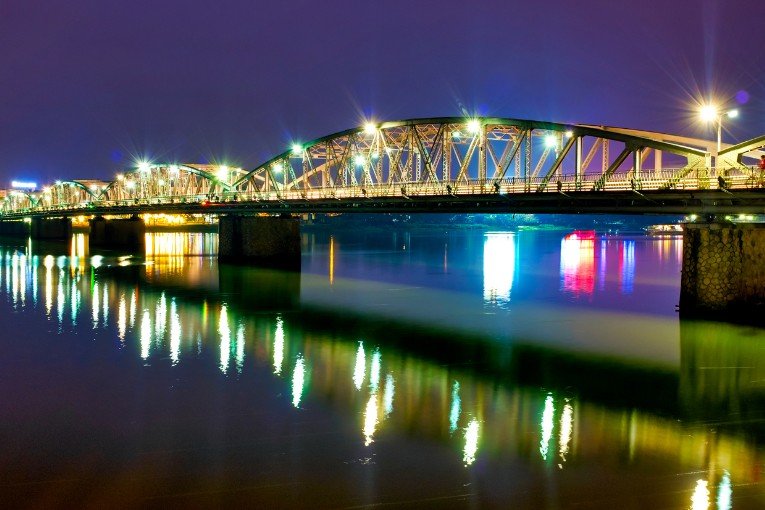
[711, 113]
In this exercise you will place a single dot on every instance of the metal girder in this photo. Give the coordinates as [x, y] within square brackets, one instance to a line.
[601, 182]
[558, 162]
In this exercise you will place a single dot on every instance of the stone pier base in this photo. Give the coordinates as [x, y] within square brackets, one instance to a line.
[263, 241]
[54, 229]
[723, 271]
[120, 234]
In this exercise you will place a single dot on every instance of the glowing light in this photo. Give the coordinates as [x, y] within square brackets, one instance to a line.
[278, 167]
[474, 126]
[374, 371]
[360, 367]
[225, 338]
[298, 381]
[456, 135]
[145, 334]
[566, 428]
[278, 346]
[175, 333]
[144, 167]
[130, 184]
[551, 141]
[471, 442]
[240, 348]
[708, 112]
[370, 419]
[724, 493]
[732, 114]
[174, 169]
[161, 182]
[569, 134]
[498, 267]
[122, 318]
[23, 185]
[700, 498]
[120, 177]
[222, 173]
[359, 160]
[390, 390]
[297, 149]
[370, 128]
[456, 407]
[547, 426]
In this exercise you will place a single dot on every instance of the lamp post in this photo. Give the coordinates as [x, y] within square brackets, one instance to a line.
[711, 113]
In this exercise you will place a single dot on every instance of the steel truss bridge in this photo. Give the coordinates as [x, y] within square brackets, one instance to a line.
[447, 164]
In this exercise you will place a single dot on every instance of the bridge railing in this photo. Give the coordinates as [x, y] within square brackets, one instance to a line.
[666, 179]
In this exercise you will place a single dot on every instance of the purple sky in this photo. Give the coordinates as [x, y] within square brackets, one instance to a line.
[87, 86]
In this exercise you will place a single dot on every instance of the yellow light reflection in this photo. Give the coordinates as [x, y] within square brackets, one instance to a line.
[278, 346]
[225, 338]
[700, 498]
[498, 266]
[471, 442]
[298, 381]
[566, 429]
[331, 260]
[547, 426]
[390, 390]
[360, 367]
[370, 419]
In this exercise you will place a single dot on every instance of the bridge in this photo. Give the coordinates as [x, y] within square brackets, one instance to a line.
[440, 164]
[448, 164]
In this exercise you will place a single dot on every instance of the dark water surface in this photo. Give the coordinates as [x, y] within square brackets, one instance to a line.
[404, 370]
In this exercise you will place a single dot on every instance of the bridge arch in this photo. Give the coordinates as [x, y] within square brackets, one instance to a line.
[453, 152]
[170, 182]
[18, 201]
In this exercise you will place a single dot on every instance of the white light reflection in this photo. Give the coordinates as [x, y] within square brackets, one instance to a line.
[456, 407]
[360, 368]
[498, 266]
[471, 442]
[95, 304]
[133, 305]
[278, 346]
[374, 371]
[60, 298]
[105, 304]
[390, 390]
[370, 419]
[145, 334]
[627, 272]
[547, 426]
[240, 348]
[122, 318]
[700, 498]
[160, 319]
[48, 262]
[74, 297]
[724, 493]
[225, 338]
[298, 381]
[566, 429]
[175, 333]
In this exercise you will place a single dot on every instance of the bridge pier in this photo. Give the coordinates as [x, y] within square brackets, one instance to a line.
[54, 229]
[723, 272]
[118, 234]
[266, 241]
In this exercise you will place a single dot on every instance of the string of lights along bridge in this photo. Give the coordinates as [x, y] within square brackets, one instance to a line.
[436, 164]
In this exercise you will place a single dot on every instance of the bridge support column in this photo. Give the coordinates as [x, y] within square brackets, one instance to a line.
[265, 241]
[59, 229]
[14, 229]
[120, 234]
[723, 271]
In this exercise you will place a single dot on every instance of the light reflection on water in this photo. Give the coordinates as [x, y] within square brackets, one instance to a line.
[479, 413]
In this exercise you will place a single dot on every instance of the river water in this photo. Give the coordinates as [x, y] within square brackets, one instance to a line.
[408, 369]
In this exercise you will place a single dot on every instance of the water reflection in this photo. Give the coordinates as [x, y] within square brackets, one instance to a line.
[498, 267]
[494, 412]
[577, 264]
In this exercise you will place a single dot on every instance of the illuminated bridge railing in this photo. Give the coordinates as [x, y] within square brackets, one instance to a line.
[710, 179]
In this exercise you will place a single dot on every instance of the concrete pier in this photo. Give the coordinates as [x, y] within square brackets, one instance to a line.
[264, 241]
[118, 234]
[723, 273]
[54, 229]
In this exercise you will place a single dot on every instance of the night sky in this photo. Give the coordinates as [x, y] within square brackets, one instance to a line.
[90, 86]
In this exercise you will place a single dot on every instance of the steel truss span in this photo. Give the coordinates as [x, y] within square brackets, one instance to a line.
[438, 164]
